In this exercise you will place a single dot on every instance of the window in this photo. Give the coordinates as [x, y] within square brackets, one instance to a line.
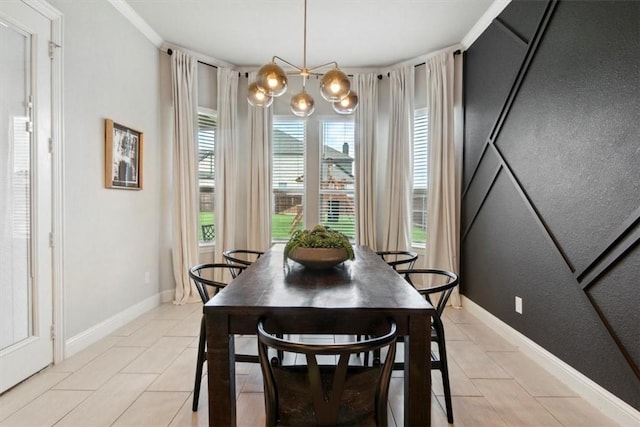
[206, 175]
[288, 140]
[337, 176]
[312, 175]
[420, 178]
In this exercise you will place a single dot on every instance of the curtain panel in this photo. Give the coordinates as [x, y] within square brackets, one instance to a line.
[226, 174]
[443, 204]
[366, 119]
[396, 215]
[258, 204]
[185, 174]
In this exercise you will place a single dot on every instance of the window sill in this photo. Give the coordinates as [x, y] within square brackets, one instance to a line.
[206, 248]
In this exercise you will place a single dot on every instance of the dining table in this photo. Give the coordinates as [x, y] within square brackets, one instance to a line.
[344, 299]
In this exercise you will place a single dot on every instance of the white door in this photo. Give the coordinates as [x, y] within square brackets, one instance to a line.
[26, 304]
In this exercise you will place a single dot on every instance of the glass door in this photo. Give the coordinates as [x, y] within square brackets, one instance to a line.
[25, 194]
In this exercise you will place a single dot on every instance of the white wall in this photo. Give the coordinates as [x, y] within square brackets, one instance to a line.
[111, 237]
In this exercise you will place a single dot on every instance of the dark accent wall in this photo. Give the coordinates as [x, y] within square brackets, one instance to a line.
[551, 202]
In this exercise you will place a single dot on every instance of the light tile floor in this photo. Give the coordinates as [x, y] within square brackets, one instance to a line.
[142, 375]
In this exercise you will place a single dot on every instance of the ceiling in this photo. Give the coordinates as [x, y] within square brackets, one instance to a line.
[355, 33]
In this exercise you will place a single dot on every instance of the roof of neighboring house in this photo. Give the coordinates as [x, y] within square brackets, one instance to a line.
[338, 174]
[291, 146]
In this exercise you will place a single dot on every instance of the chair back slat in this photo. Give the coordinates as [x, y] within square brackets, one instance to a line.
[444, 290]
[244, 257]
[407, 259]
[202, 276]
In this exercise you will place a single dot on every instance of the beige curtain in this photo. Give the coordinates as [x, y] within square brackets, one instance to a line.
[258, 169]
[226, 167]
[185, 173]
[396, 214]
[443, 203]
[366, 119]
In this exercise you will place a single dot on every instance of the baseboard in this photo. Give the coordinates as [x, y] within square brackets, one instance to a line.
[84, 339]
[616, 409]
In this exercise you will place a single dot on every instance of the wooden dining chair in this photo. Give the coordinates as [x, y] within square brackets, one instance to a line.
[407, 259]
[326, 394]
[244, 257]
[436, 286]
[203, 278]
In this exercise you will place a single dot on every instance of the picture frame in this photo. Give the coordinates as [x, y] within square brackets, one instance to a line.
[123, 156]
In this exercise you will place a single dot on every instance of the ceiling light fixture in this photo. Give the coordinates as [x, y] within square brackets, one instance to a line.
[271, 81]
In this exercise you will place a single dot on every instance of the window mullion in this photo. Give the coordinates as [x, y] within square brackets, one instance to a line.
[312, 183]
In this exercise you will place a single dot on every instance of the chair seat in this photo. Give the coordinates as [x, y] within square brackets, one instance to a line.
[327, 395]
[296, 405]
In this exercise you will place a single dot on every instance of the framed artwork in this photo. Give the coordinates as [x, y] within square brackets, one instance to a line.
[123, 157]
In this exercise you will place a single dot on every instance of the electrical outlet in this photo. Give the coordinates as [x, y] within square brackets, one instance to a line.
[518, 305]
[147, 278]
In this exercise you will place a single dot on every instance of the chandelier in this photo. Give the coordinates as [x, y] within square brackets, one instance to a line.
[271, 81]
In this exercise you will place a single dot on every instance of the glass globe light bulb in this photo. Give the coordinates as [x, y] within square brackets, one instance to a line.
[334, 85]
[346, 105]
[257, 97]
[272, 79]
[302, 104]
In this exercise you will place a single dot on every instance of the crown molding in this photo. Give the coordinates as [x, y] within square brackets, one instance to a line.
[45, 9]
[485, 20]
[127, 11]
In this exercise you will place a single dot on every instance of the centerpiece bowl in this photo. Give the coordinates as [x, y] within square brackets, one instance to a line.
[318, 248]
[319, 258]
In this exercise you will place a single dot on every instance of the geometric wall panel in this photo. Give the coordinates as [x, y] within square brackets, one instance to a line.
[479, 187]
[523, 17]
[511, 256]
[616, 296]
[551, 200]
[486, 90]
[572, 137]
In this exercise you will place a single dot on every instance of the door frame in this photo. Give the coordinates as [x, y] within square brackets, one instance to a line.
[57, 175]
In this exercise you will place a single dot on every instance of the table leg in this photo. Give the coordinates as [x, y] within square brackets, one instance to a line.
[221, 372]
[417, 372]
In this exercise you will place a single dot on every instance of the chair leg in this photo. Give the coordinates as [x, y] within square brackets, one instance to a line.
[280, 352]
[376, 357]
[201, 359]
[365, 354]
[444, 369]
[447, 389]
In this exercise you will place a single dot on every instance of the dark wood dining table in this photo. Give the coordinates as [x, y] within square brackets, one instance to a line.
[340, 300]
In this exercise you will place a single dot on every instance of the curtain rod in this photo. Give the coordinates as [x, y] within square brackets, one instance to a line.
[380, 76]
[455, 53]
[170, 52]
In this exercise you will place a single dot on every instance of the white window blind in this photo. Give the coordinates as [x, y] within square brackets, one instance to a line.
[420, 177]
[288, 139]
[21, 178]
[206, 176]
[337, 180]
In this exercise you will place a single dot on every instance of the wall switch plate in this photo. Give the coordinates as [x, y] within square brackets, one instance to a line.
[518, 305]
[147, 278]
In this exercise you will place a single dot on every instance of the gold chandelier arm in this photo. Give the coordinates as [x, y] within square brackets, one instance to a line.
[272, 81]
[286, 62]
[311, 70]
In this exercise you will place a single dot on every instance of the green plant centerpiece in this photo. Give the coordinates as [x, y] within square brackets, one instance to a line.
[319, 247]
